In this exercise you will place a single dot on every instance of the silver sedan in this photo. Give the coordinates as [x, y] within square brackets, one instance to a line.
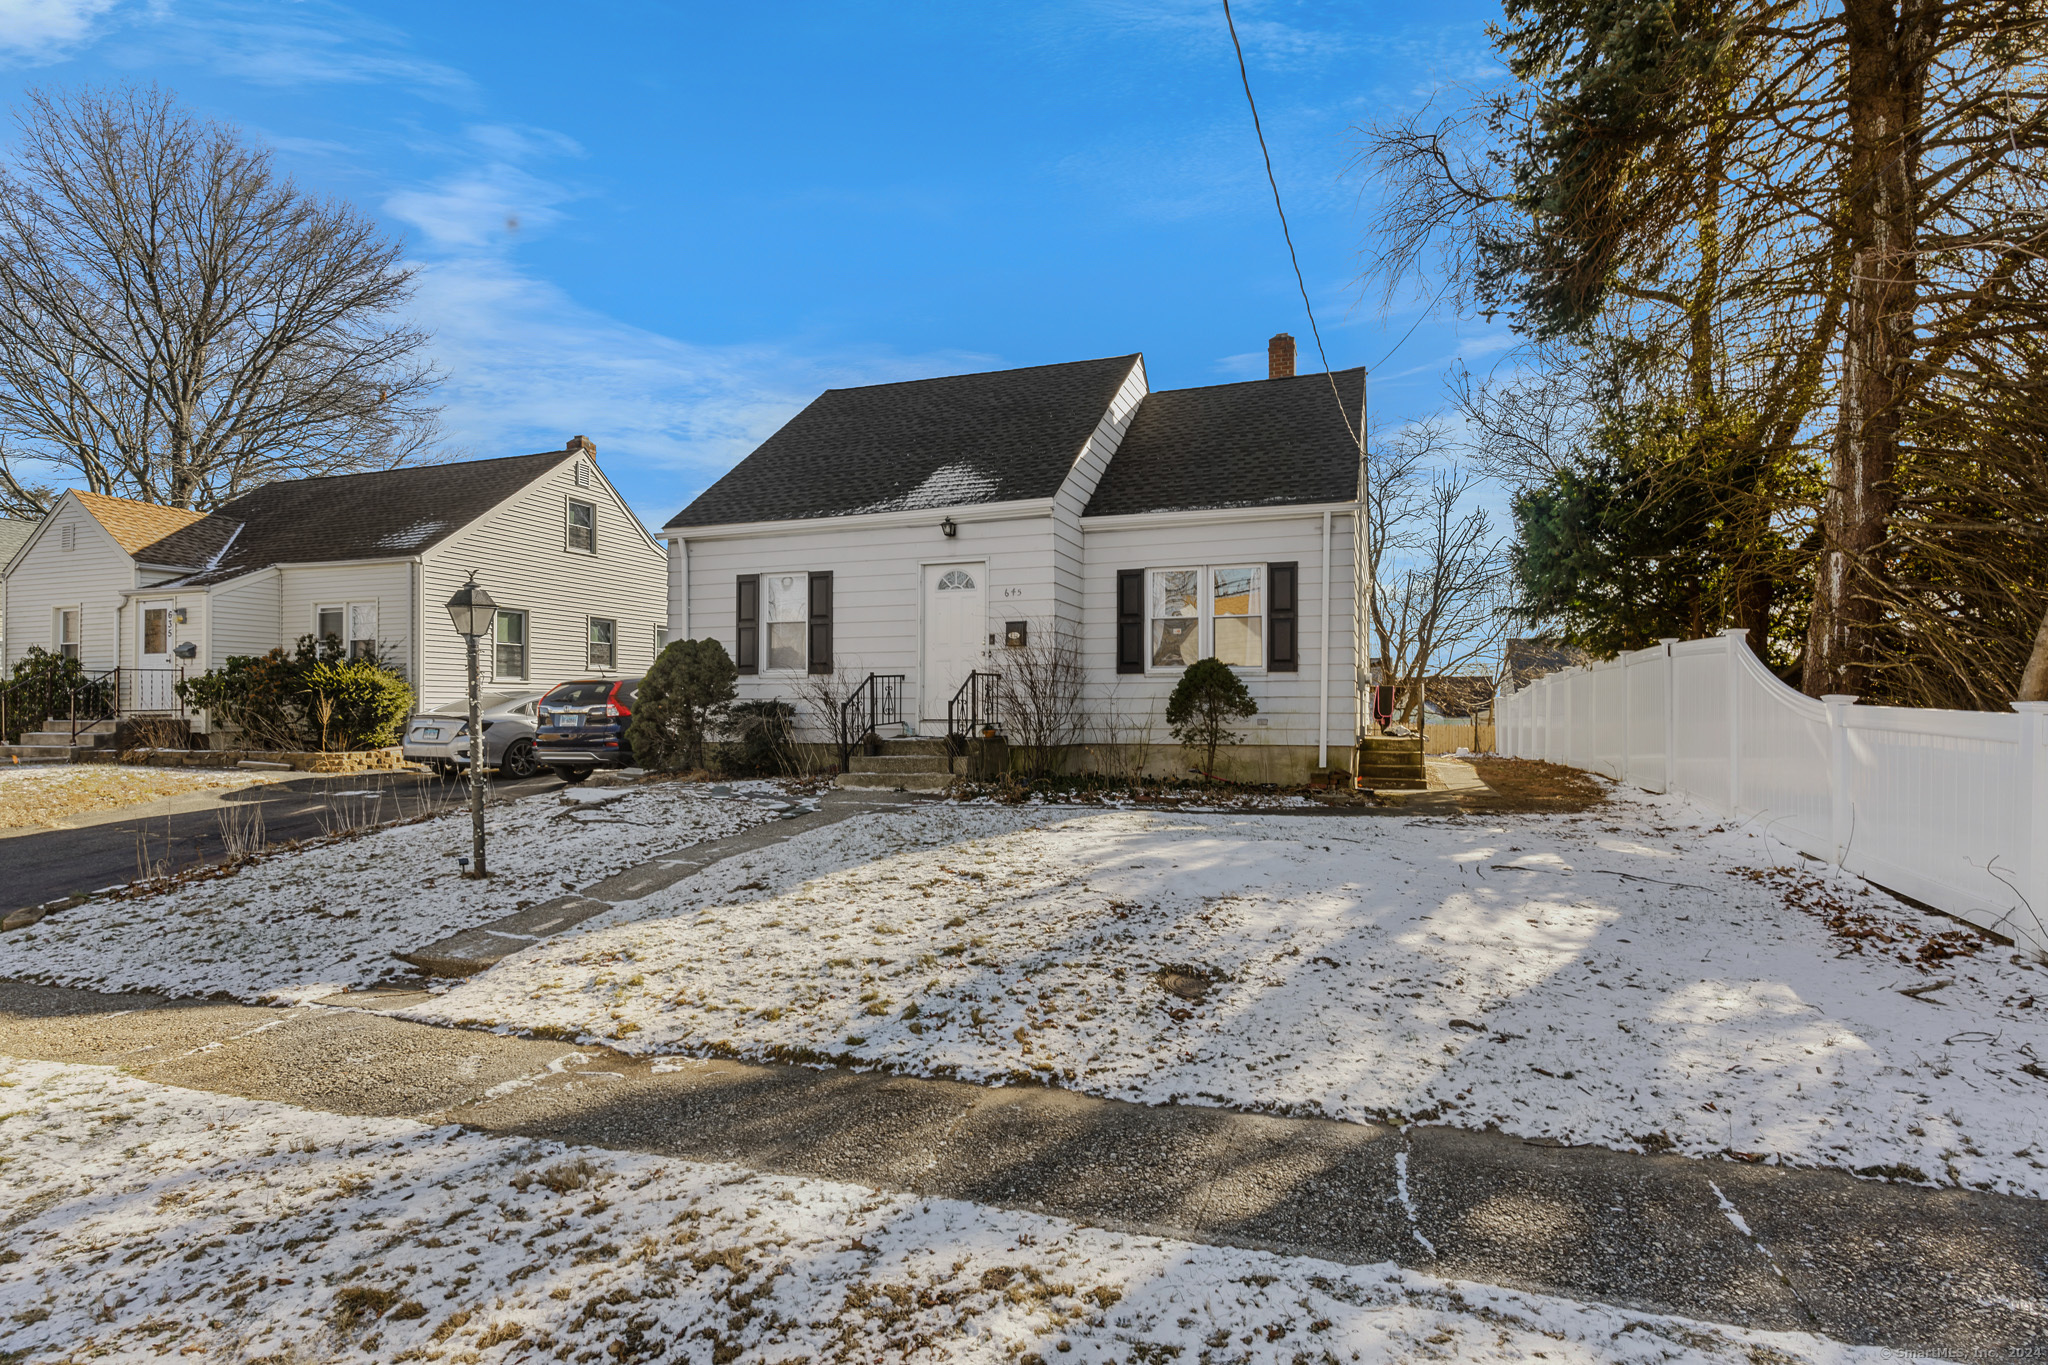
[441, 737]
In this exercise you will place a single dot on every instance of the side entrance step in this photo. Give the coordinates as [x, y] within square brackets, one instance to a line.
[1390, 764]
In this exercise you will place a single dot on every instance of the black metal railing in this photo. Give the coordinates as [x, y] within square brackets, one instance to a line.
[96, 699]
[973, 706]
[875, 703]
[47, 705]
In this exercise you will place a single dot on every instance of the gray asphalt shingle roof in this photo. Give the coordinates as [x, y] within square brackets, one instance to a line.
[14, 534]
[388, 514]
[925, 443]
[1262, 443]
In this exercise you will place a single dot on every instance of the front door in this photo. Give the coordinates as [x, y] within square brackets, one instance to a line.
[151, 690]
[955, 625]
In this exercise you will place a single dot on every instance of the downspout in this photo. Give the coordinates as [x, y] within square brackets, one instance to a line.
[1323, 743]
[679, 589]
[418, 649]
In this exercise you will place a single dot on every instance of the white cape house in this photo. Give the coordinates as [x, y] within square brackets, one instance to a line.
[917, 531]
[143, 594]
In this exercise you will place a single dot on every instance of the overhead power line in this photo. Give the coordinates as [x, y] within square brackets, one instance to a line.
[1286, 232]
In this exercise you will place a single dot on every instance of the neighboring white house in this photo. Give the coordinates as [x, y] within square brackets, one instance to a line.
[160, 593]
[13, 535]
[915, 529]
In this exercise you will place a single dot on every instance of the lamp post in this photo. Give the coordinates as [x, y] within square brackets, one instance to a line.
[472, 610]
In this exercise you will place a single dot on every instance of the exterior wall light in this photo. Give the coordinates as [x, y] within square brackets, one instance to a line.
[948, 529]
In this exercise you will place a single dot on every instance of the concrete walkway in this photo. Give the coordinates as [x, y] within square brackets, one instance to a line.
[1943, 1272]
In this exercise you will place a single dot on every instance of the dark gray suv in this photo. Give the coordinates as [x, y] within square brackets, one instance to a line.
[582, 726]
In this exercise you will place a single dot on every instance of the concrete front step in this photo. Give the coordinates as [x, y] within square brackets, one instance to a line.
[47, 738]
[892, 748]
[48, 753]
[902, 763]
[910, 782]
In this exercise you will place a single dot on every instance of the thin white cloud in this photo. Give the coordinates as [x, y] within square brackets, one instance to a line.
[308, 42]
[37, 31]
[528, 367]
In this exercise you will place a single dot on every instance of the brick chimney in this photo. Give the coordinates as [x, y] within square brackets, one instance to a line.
[1280, 357]
[582, 443]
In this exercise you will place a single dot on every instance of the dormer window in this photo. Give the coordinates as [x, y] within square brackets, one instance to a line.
[583, 526]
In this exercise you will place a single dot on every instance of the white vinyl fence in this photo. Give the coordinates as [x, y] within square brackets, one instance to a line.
[1948, 807]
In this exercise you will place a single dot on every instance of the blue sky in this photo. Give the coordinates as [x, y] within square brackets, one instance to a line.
[668, 226]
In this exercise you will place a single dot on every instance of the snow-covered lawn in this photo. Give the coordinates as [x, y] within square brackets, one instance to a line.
[153, 1223]
[43, 794]
[308, 922]
[1634, 977]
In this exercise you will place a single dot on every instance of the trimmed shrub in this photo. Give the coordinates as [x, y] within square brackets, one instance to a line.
[1205, 701]
[41, 689]
[313, 698]
[683, 698]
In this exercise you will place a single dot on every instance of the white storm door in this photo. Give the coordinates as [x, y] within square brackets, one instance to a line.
[154, 674]
[955, 622]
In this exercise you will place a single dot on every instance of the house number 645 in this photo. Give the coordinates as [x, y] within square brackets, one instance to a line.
[1013, 592]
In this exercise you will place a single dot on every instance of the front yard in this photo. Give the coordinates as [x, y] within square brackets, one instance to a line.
[148, 1222]
[1635, 977]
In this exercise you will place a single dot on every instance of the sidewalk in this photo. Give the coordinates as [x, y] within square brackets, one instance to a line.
[1944, 1272]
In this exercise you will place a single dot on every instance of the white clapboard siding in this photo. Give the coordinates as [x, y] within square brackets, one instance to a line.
[89, 577]
[1949, 807]
[247, 613]
[1291, 703]
[876, 581]
[521, 557]
[1069, 550]
[304, 589]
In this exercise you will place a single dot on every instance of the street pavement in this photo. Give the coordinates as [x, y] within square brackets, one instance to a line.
[1941, 1271]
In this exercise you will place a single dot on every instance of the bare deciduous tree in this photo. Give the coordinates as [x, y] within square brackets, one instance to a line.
[1124, 737]
[1438, 571]
[179, 322]
[1039, 697]
[824, 696]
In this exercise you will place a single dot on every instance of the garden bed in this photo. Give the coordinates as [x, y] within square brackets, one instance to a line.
[302, 761]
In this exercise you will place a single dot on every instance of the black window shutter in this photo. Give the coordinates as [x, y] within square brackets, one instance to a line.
[1283, 634]
[821, 623]
[1130, 620]
[746, 642]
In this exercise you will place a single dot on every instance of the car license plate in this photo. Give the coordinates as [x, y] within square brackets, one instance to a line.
[568, 719]
[425, 733]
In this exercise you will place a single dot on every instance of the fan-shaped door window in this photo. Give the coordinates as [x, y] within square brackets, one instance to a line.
[955, 580]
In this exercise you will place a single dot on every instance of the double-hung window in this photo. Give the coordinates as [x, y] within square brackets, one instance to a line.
[786, 612]
[603, 643]
[350, 625]
[583, 526]
[67, 632]
[508, 661]
[1214, 610]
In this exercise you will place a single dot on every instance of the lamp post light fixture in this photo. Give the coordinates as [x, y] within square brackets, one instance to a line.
[473, 611]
